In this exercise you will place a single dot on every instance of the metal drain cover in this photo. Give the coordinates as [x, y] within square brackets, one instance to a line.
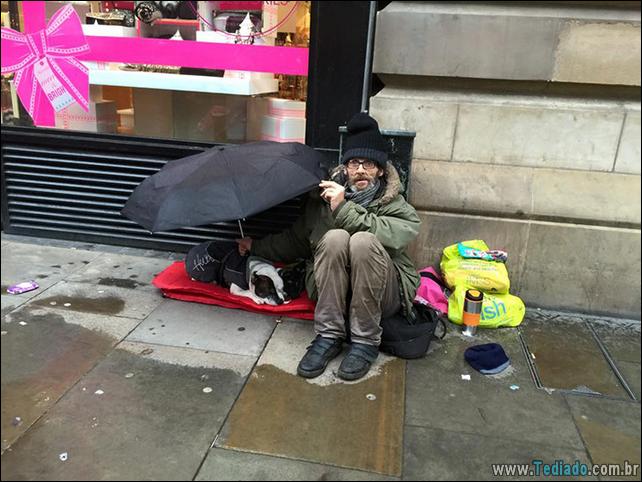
[565, 353]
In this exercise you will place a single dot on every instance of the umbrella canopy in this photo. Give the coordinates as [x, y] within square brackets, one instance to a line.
[224, 184]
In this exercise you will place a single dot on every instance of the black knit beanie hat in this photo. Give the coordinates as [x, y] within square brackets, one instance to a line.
[364, 140]
[486, 358]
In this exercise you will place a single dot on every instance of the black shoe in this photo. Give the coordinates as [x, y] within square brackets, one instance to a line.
[358, 361]
[319, 354]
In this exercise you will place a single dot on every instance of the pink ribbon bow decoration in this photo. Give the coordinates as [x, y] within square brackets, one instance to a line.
[45, 65]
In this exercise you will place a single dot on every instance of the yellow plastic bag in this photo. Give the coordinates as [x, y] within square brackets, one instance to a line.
[497, 310]
[487, 276]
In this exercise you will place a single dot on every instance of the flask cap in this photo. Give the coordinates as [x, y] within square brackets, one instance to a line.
[474, 295]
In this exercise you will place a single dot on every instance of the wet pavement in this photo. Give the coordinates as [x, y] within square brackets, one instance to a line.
[354, 425]
[103, 378]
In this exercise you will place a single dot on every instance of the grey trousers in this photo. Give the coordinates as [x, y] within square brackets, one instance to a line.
[358, 264]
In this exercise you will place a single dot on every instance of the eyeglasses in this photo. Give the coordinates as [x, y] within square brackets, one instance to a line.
[353, 164]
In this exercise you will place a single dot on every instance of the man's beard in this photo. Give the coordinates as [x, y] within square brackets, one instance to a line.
[353, 184]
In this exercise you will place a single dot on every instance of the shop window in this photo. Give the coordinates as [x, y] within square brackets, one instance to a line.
[215, 71]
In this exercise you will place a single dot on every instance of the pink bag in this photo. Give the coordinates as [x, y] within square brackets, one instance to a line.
[432, 291]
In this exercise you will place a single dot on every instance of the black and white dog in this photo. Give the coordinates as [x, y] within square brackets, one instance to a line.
[265, 283]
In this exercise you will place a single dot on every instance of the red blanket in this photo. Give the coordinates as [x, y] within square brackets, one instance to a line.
[174, 283]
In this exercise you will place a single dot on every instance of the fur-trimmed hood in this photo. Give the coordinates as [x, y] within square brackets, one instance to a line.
[390, 182]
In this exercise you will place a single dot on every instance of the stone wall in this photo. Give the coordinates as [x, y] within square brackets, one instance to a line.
[511, 40]
[528, 136]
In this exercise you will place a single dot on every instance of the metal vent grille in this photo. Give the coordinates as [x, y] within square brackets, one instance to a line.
[71, 185]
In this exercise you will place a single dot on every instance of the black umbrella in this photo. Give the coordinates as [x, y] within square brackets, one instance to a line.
[224, 184]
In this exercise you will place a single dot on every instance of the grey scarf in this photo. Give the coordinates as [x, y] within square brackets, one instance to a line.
[365, 197]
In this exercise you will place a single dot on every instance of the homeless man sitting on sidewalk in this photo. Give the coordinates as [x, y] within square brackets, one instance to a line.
[354, 237]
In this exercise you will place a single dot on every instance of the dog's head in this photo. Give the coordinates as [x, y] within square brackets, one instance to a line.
[264, 288]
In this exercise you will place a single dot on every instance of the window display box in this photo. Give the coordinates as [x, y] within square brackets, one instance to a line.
[283, 129]
[102, 117]
[285, 107]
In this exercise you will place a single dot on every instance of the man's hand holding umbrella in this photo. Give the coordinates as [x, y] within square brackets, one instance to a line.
[245, 245]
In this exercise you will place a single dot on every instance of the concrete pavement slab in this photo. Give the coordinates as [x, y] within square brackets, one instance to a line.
[121, 271]
[207, 327]
[44, 264]
[564, 347]
[99, 299]
[133, 417]
[354, 425]
[433, 454]
[438, 397]
[232, 465]
[44, 353]
[610, 429]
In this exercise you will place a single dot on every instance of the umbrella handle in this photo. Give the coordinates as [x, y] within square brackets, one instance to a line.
[241, 228]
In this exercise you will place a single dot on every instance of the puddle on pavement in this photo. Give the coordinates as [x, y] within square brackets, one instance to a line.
[108, 305]
[40, 365]
[119, 282]
[567, 357]
[285, 415]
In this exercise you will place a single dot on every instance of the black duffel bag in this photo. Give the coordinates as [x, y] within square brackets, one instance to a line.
[411, 340]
